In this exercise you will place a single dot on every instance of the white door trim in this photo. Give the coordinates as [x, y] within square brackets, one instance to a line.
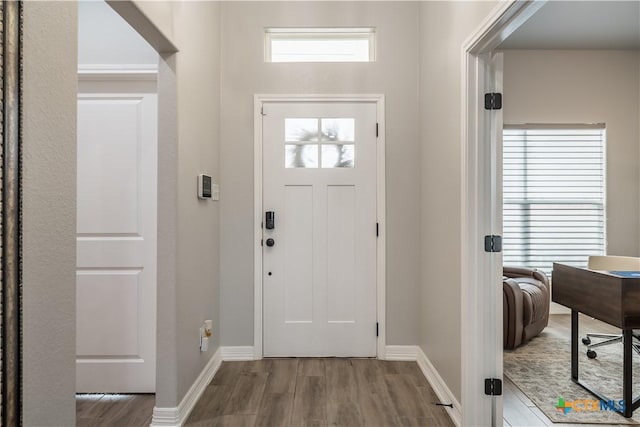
[480, 357]
[259, 100]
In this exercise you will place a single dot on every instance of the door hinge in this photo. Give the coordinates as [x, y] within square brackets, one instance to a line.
[377, 229]
[493, 101]
[261, 242]
[262, 111]
[493, 387]
[376, 130]
[493, 243]
[377, 328]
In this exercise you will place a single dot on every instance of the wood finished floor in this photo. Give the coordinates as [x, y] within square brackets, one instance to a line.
[114, 410]
[318, 392]
[519, 411]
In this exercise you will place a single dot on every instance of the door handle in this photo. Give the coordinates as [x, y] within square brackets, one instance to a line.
[270, 242]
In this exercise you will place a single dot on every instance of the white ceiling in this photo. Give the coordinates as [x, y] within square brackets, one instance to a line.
[580, 25]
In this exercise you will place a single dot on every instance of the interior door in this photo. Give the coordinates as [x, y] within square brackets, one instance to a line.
[319, 252]
[116, 237]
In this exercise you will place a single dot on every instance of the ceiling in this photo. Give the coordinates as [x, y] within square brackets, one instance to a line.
[580, 25]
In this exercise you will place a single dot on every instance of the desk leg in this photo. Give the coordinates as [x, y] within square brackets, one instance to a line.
[574, 345]
[627, 372]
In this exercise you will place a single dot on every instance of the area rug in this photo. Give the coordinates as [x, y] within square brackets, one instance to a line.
[542, 370]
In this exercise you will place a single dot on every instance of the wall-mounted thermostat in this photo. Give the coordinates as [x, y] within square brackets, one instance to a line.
[204, 186]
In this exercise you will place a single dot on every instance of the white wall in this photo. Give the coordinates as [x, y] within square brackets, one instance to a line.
[395, 74]
[49, 213]
[587, 87]
[444, 27]
[105, 38]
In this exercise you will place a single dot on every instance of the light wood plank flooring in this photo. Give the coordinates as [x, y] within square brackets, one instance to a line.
[519, 411]
[318, 392]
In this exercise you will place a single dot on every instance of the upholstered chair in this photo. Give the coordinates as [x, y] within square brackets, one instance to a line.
[525, 298]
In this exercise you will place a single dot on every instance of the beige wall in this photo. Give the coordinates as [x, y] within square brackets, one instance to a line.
[161, 13]
[395, 74]
[444, 27]
[49, 213]
[104, 38]
[188, 228]
[152, 19]
[587, 87]
[197, 30]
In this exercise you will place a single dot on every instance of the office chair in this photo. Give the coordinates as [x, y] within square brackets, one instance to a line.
[611, 263]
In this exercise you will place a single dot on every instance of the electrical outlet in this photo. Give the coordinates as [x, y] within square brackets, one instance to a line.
[206, 332]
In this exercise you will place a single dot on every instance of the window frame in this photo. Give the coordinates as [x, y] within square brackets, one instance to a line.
[564, 127]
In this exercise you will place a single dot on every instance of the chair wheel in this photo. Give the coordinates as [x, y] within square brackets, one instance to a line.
[591, 354]
[586, 340]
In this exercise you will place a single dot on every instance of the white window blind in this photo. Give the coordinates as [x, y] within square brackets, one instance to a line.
[553, 195]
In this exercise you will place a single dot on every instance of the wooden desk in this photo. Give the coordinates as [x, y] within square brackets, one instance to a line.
[607, 297]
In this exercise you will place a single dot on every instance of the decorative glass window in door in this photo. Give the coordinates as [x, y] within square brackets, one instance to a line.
[319, 142]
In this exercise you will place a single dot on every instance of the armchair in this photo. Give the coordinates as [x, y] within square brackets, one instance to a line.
[525, 298]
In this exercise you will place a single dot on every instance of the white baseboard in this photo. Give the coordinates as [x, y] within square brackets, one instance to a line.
[238, 353]
[440, 388]
[402, 352]
[175, 417]
[415, 353]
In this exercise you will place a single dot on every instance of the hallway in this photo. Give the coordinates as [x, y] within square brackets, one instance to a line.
[318, 392]
[290, 392]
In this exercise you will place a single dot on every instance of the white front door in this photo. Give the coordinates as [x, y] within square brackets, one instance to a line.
[116, 237]
[319, 276]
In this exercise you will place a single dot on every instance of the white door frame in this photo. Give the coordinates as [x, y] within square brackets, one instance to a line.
[259, 100]
[481, 303]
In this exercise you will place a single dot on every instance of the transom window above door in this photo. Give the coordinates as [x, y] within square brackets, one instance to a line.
[320, 44]
[319, 142]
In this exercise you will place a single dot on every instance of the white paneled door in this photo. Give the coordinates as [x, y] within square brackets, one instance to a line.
[116, 237]
[319, 259]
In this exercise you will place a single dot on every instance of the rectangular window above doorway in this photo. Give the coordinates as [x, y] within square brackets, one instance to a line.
[553, 195]
[320, 44]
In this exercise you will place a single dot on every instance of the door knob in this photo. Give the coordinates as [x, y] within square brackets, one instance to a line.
[270, 242]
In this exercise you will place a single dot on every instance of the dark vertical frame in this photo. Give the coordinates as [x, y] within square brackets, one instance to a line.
[10, 226]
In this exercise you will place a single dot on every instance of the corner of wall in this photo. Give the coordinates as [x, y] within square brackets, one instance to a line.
[49, 213]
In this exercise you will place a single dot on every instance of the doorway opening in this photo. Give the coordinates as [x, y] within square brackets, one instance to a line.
[486, 157]
[117, 207]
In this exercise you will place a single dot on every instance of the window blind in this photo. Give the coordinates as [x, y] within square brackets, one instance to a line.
[553, 195]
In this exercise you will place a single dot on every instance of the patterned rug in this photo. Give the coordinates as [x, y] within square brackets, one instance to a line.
[542, 370]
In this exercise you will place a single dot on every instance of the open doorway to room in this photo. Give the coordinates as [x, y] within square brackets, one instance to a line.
[116, 219]
[567, 168]
[570, 191]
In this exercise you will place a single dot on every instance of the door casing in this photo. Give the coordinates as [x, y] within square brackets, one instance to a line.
[481, 321]
[378, 99]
